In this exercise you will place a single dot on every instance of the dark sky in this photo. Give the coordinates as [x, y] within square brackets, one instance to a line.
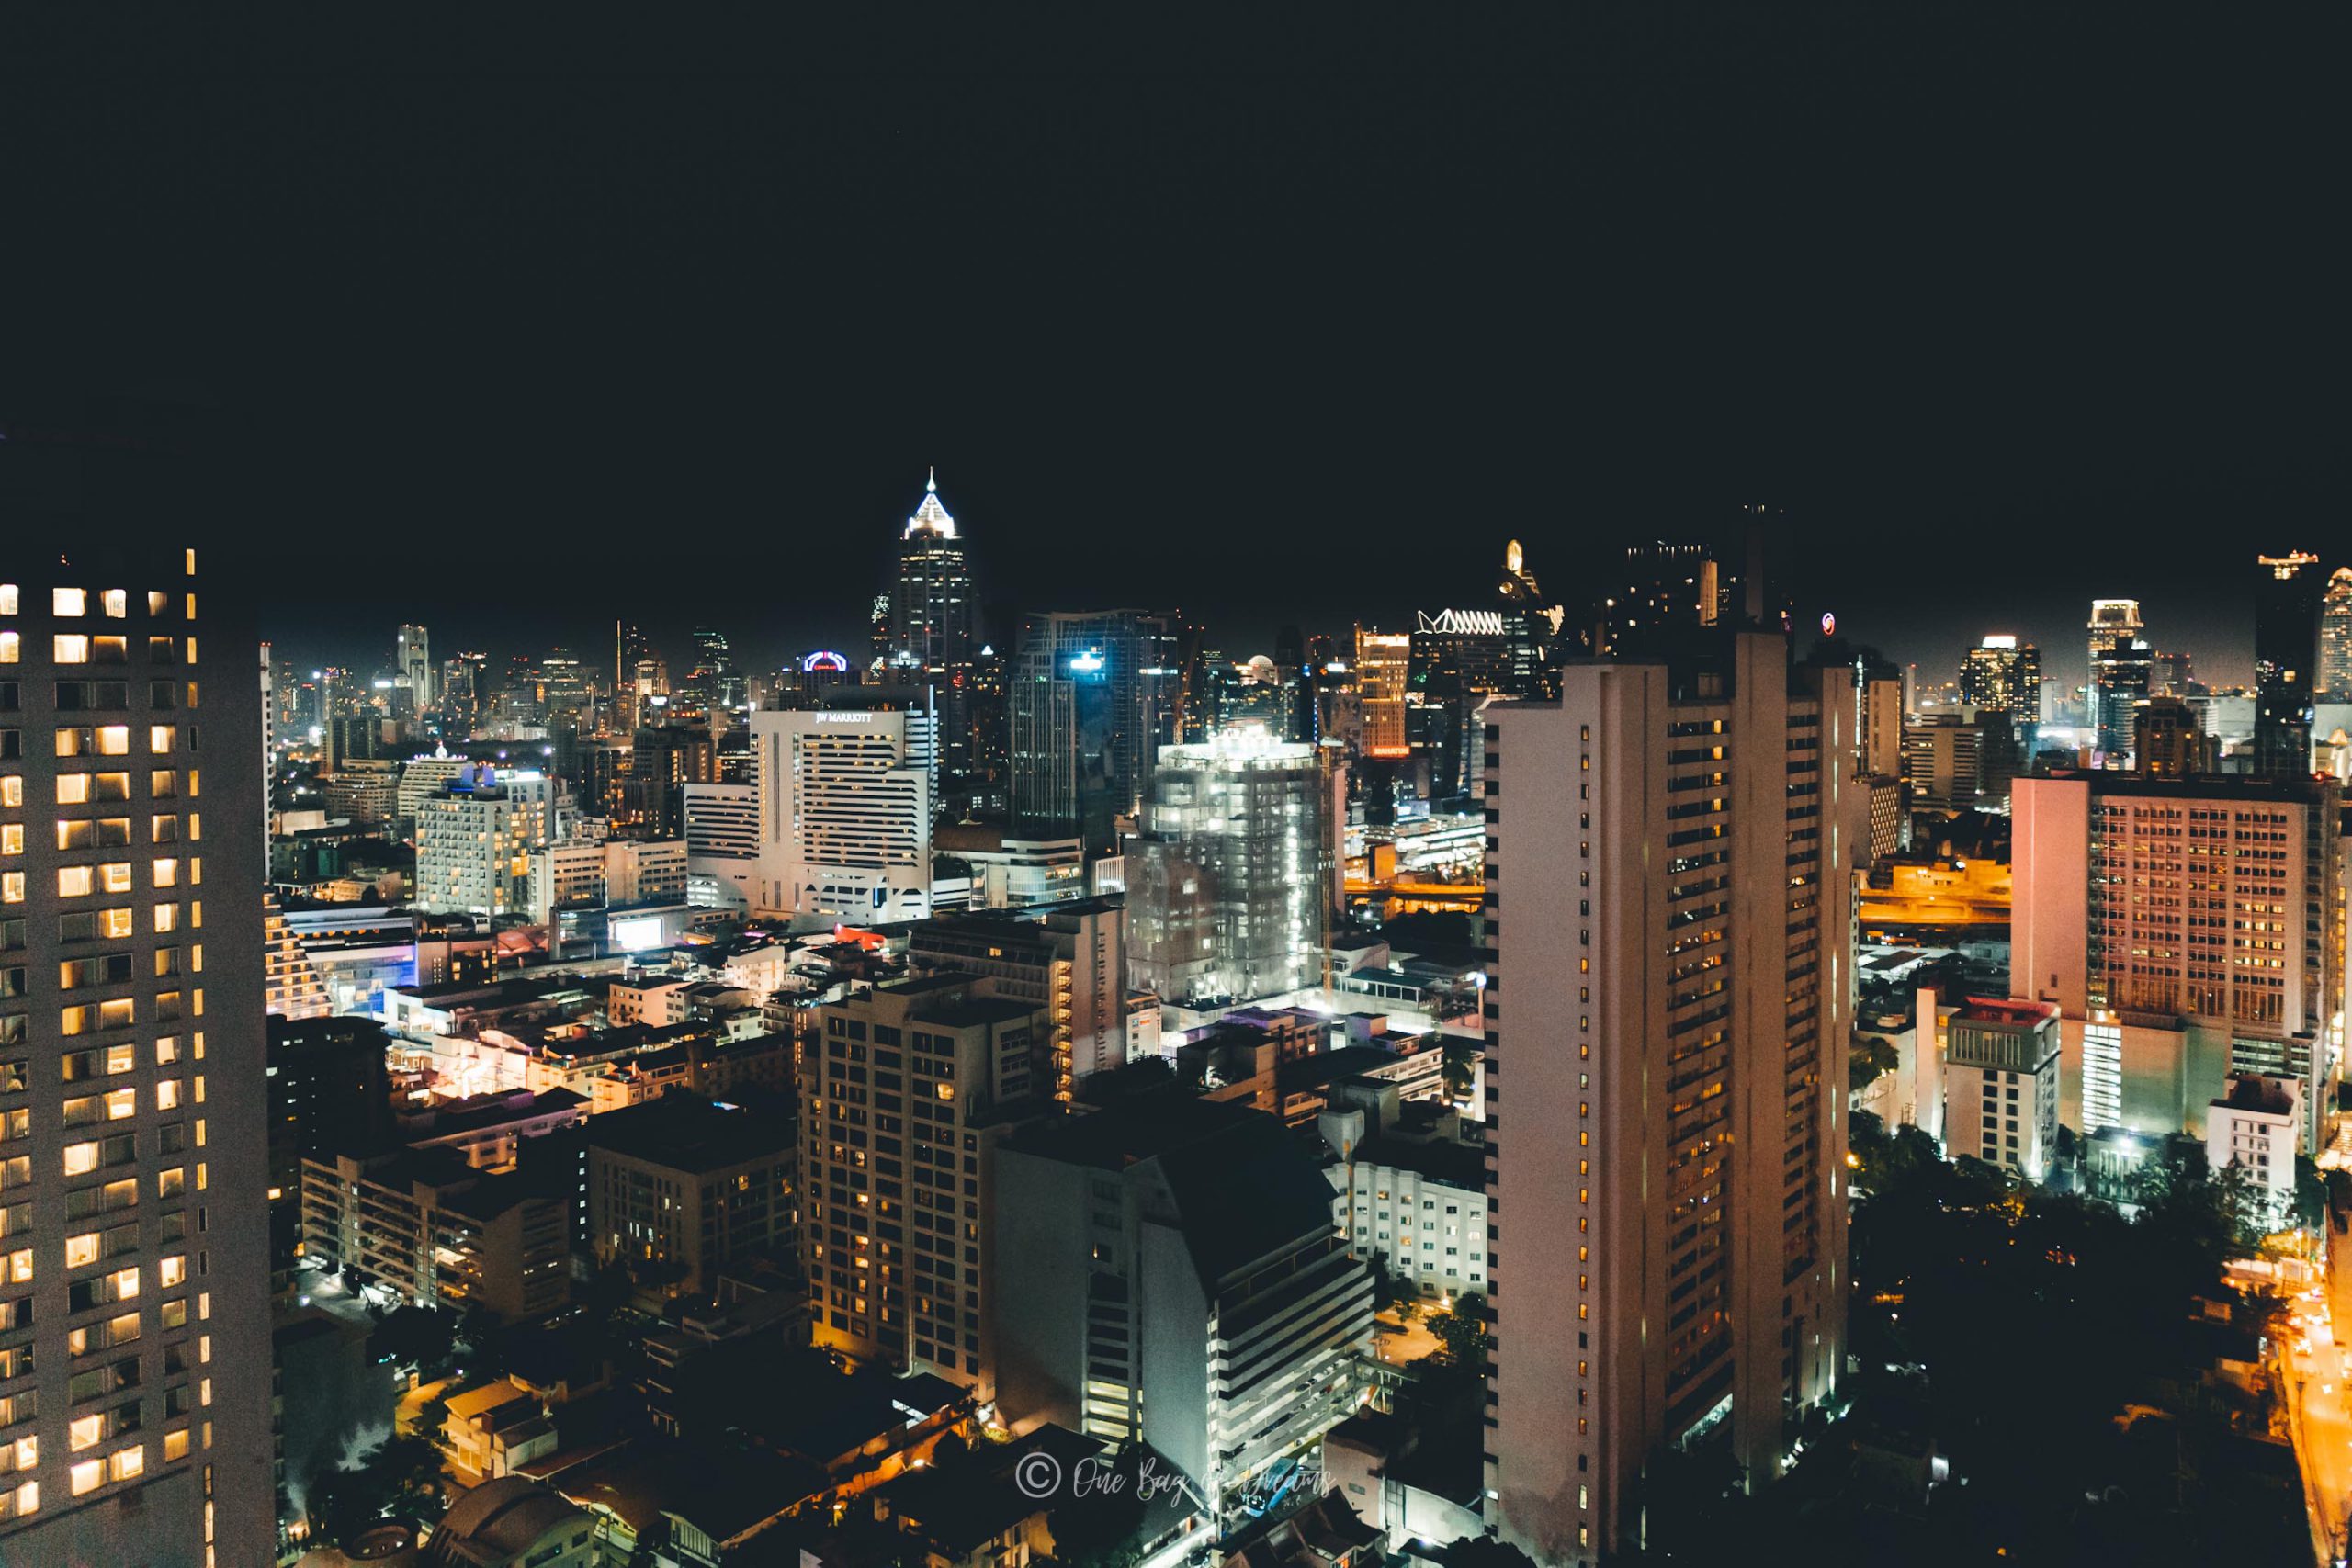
[523, 324]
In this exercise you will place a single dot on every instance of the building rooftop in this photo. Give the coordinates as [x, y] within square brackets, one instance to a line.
[686, 1133]
[1439, 1159]
[2256, 1092]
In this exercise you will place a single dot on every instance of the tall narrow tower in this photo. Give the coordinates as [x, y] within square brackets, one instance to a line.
[2286, 663]
[1669, 908]
[134, 1259]
[931, 627]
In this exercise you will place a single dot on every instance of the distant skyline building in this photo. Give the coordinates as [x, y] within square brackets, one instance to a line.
[2004, 674]
[1384, 663]
[2286, 663]
[2336, 638]
[413, 658]
[1089, 697]
[931, 624]
[2115, 623]
[474, 841]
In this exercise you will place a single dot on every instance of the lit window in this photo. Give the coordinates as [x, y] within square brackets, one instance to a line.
[169, 1272]
[11, 649]
[81, 1158]
[125, 1464]
[158, 602]
[75, 881]
[167, 918]
[12, 886]
[114, 741]
[73, 789]
[82, 1250]
[69, 647]
[167, 873]
[12, 790]
[115, 876]
[67, 601]
[11, 838]
[116, 602]
[176, 1444]
[87, 1476]
[161, 738]
[115, 921]
[7, 598]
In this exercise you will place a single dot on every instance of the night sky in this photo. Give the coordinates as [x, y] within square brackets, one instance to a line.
[517, 328]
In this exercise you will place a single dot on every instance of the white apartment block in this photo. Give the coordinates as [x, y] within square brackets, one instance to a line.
[2001, 1069]
[2255, 1127]
[474, 841]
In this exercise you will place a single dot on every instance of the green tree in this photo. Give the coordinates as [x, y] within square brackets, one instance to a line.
[1462, 1332]
[1460, 1065]
[400, 1478]
[1097, 1517]
[1871, 1057]
[420, 1337]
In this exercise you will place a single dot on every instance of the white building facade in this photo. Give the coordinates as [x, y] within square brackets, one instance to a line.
[845, 803]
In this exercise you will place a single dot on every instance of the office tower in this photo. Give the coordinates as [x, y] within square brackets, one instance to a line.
[566, 691]
[1090, 694]
[932, 626]
[474, 841]
[1879, 714]
[1943, 761]
[2286, 663]
[2186, 929]
[806, 674]
[1384, 664]
[1229, 885]
[715, 683]
[2336, 638]
[1169, 1273]
[2004, 675]
[1669, 906]
[2173, 676]
[1540, 629]
[1072, 962]
[1460, 659]
[845, 805]
[2120, 677]
[134, 1228]
[898, 1214]
[463, 691]
[412, 663]
[662, 761]
[2115, 625]
[2167, 742]
[630, 648]
[2000, 1085]
[1660, 586]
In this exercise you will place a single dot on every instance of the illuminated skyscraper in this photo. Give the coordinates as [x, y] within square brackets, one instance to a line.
[1384, 663]
[414, 659]
[1091, 695]
[933, 625]
[2336, 638]
[135, 1231]
[2115, 625]
[845, 798]
[2286, 663]
[2004, 674]
[1230, 886]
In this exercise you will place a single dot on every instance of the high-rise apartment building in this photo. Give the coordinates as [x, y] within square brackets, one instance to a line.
[1071, 962]
[1943, 761]
[413, 659]
[1230, 886]
[134, 1230]
[2001, 1084]
[1091, 695]
[2336, 638]
[2286, 663]
[1669, 879]
[2186, 929]
[474, 841]
[2167, 741]
[845, 794]
[1384, 663]
[905, 1094]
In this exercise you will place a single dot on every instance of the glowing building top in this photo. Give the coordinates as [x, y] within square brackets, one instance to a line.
[930, 517]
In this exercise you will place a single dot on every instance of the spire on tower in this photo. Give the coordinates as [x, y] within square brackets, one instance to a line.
[931, 481]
